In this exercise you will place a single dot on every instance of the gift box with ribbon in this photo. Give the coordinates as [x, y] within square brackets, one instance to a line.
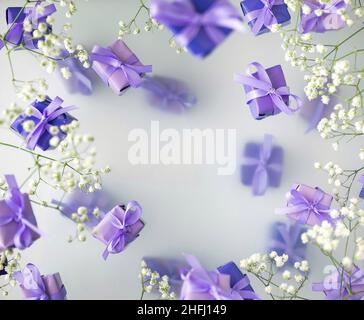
[266, 91]
[118, 66]
[261, 15]
[119, 227]
[328, 20]
[308, 205]
[17, 16]
[200, 26]
[343, 285]
[45, 114]
[40, 287]
[285, 238]
[262, 165]
[18, 227]
[226, 283]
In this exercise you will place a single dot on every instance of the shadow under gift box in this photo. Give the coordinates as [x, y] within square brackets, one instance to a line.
[9, 230]
[263, 107]
[310, 194]
[43, 141]
[201, 46]
[105, 231]
[17, 35]
[280, 12]
[252, 150]
[117, 81]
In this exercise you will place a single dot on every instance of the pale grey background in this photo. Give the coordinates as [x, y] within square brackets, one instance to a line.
[187, 208]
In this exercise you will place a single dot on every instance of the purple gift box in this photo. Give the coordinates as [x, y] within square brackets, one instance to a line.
[262, 166]
[361, 180]
[328, 20]
[119, 227]
[46, 113]
[15, 17]
[266, 91]
[262, 14]
[308, 205]
[118, 66]
[343, 285]
[198, 25]
[18, 226]
[35, 286]
[285, 238]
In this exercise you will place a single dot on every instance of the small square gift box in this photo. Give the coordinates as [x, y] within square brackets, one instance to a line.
[119, 227]
[361, 180]
[285, 238]
[261, 15]
[199, 284]
[18, 227]
[266, 91]
[342, 285]
[40, 287]
[262, 165]
[17, 17]
[118, 66]
[328, 20]
[200, 26]
[307, 205]
[45, 115]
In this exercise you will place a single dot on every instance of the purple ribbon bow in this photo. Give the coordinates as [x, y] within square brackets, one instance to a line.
[51, 112]
[298, 203]
[130, 68]
[15, 201]
[329, 19]
[202, 281]
[220, 15]
[262, 86]
[260, 178]
[34, 17]
[263, 16]
[117, 243]
[32, 282]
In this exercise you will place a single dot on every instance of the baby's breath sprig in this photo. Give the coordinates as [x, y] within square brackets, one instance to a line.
[266, 268]
[9, 263]
[152, 281]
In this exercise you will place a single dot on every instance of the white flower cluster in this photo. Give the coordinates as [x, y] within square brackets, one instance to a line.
[132, 27]
[9, 262]
[151, 280]
[10, 113]
[81, 216]
[32, 90]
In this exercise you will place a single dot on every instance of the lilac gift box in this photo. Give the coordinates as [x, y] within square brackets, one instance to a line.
[15, 17]
[106, 231]
[280, 11]
[8, 231]
[310, 194]
[115, 77]
[263, 107]
[231, 269]
[44, 140]
[253, 150]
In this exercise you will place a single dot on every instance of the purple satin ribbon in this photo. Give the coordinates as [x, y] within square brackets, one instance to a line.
[311, 20]
[51, 112]
[290, 234]
[31, 280]
[262, 87]
[263, 16]
[15, 201]
[117, 243]
[260, 178]
[33, 16]
[182, 13]
[336, 289]
[130, 68]
[298, 203]
[202, 281]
